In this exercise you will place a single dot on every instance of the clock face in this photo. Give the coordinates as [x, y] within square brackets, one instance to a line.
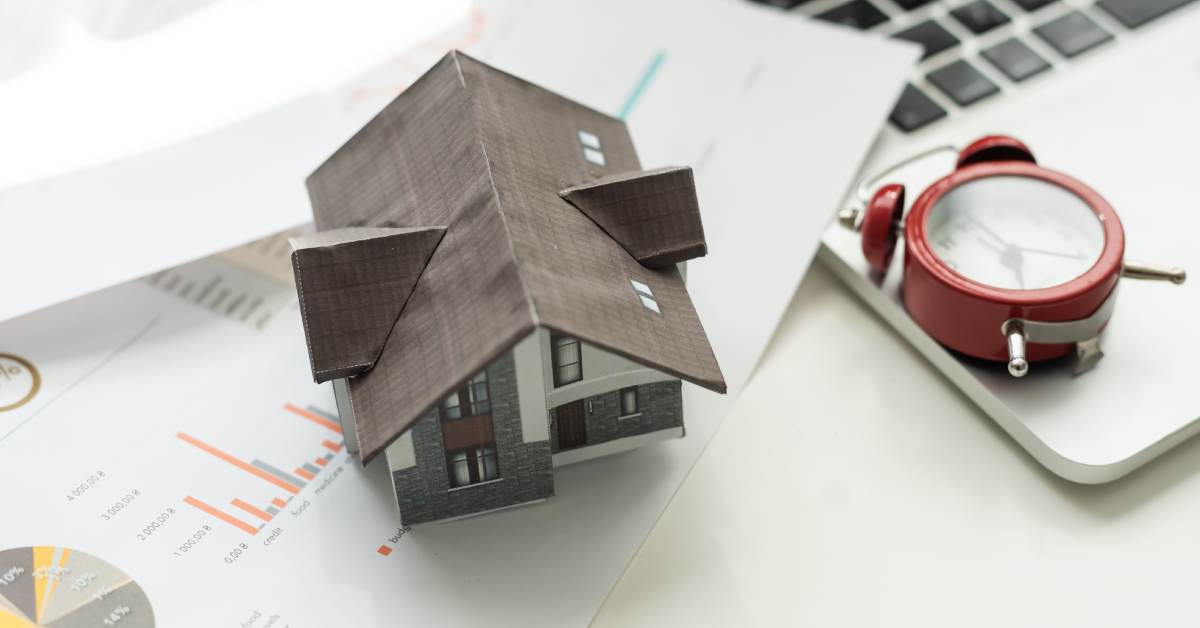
[1018, 233]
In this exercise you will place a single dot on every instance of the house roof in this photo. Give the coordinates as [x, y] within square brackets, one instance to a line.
[485, 155]
[353, 284]
[653, 214]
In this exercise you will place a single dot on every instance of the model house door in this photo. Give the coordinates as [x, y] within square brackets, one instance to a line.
[572, 430]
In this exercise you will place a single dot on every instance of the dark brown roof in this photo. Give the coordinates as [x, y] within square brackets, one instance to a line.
[654, 214]
[486, 154]
[353, 283]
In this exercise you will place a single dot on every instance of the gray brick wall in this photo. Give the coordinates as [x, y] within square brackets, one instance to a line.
[660, 404]
[526, 472]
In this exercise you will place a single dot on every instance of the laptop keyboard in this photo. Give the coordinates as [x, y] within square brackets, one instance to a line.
[980, 16]
[1011, 41]
[860, 14]
[1015, 59]
[1134, 13]
[1072, 34]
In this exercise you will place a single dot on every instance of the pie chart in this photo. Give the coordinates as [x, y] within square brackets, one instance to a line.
[67, 588]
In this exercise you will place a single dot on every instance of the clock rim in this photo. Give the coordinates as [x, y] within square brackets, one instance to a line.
[1108, 264]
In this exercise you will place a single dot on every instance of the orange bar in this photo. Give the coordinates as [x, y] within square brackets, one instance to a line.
[331, 446]
[384, 550]
[233, 521]
[304, 474]
[319, 420]
[261, 514]
[238, 463]
[321, 462]
[279, 503]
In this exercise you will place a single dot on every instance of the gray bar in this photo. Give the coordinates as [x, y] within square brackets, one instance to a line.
[221, 296]
[208, 288]
[250, 309]
[233, 305]
[331, 417]
[329, 456]
[313, 469]
[286, 477]
[271, 510]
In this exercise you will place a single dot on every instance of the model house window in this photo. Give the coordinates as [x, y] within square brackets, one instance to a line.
[591, 148]
[471, 399]
[477, 388]
[566, 360]
[629, 401]
[472, 466]
[467, 435]
[644, 294]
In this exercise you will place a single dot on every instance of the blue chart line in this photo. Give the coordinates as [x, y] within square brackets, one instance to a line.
[643, 82]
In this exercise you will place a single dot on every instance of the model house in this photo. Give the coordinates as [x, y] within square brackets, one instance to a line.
[494, 289]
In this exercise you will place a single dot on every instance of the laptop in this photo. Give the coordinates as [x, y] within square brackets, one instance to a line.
[1107, 91]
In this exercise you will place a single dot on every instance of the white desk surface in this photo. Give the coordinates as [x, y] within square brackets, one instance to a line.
[853, 486]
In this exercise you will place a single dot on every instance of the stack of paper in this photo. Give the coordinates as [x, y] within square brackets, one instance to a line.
[174, 431]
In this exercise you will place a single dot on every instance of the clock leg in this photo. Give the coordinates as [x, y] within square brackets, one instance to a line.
[1018, 366]
[1136, 270]
[1087, 354]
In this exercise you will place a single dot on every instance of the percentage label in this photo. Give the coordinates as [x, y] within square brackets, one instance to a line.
[83, 581]
[19, 382]
[102, 593]
[10, 576]
[118, 613]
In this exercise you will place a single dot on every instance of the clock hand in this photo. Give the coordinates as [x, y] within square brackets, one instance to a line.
[988, 231]
[995, 247]
[1012, 258]
[1020, 273]
[1010, 254]
[1054, 253]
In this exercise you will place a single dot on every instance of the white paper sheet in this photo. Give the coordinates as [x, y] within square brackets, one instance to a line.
[127, 370]
[95, 100]
[89, 82]
[74, 234]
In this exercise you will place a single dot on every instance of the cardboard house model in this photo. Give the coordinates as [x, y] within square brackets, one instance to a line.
[494, 290]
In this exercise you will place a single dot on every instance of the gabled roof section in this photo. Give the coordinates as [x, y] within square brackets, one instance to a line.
[577, 276]
[353, 284]
[420, 161]
[654, 214]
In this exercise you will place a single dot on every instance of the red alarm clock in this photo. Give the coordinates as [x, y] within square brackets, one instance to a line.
[1004, 260]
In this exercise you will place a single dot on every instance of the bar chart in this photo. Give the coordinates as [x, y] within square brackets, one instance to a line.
[251, 517]
[248, 284]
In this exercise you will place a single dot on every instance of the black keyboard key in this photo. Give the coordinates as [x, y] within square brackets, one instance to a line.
[1033, 5]
[782, 4]
[980, 16]
[933, 36]
[1134, 13]
[1016, 60]
[1072, 34]
[963, 83]
[914, 110]
[860, 14]
[909, 5]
